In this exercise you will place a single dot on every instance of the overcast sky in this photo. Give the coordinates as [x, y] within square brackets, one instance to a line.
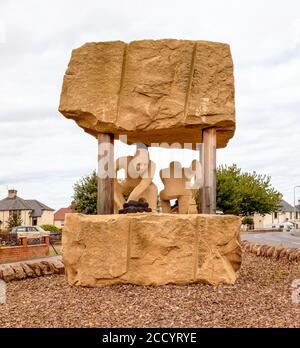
[42, 154]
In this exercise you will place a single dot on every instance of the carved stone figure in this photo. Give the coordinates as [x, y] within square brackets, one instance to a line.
[178, 185]
[139, 172]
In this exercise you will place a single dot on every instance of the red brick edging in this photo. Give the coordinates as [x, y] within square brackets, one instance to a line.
[276, 252]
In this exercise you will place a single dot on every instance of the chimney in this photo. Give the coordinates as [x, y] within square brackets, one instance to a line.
[12, 193]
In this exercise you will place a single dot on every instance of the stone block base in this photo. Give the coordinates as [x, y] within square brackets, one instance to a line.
[151, 249]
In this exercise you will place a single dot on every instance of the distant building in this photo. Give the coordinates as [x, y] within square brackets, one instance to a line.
[297, 211]
[31, 211]
[284, 213]
[59, 216]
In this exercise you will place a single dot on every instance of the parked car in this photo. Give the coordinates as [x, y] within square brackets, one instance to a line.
[30, 231]
[285, 226]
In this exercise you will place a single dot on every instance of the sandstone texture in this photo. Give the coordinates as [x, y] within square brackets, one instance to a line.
[151, 90]
[151, 249]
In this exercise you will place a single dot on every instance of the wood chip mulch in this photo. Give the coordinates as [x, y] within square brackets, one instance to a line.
[260, 298]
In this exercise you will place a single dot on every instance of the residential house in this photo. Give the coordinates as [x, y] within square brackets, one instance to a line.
[297, 211]
[59, 216]
[31, 211]
[284, 213]
[297, 216]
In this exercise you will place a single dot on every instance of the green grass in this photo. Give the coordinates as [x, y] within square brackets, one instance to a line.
[52, 252]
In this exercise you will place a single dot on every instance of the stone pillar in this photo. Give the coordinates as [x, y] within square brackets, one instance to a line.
[208, 161]
[105, 201]
[46, 240]
[24, 242]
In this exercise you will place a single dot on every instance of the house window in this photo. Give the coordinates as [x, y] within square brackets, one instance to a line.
[276, 215]
[291, 216]
[15, 213]
[297, 215]
[34, 221]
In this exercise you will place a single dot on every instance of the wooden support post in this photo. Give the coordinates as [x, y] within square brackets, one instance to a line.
[105, 201]
[208, 161]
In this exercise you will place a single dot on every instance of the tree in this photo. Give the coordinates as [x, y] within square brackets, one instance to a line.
[51, 228]
[248, 221]
[245, 193]
[14, 220]
[237, 193]
[85, 194]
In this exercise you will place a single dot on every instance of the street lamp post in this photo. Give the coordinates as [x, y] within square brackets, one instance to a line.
[296, 225]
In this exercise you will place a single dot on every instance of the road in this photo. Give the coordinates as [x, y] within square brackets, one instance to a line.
[273, 238]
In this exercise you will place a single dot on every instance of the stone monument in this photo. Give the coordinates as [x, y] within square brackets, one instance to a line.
[152, 92]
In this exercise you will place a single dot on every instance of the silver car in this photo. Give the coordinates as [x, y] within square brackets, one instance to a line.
[30, 231]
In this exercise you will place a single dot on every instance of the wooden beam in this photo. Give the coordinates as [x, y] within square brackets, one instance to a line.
[105, 201]
[208, 161]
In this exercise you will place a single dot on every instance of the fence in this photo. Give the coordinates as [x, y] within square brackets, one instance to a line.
[55, 238]
[24, 250]
[9, 239]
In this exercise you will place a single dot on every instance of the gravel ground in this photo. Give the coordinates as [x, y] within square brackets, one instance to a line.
[260, 298]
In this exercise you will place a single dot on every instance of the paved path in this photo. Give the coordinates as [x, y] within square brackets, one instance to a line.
[47, 258]
[273, 238]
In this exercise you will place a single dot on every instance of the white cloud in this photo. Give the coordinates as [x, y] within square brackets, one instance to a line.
[42, 154]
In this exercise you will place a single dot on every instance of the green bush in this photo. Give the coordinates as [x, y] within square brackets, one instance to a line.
[51, 228]
[247, 220]
[14, 220]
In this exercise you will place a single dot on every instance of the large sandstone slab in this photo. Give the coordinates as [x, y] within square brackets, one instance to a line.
[151, 249]
[151, 90]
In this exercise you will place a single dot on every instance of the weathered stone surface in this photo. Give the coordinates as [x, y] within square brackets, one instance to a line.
[151, 249]
[8, 273]
[28, 271]
[58, 267]
[36, 268]
[22, 270]
[276, 252]
[151, 90]
[46, 267]
[19, 271]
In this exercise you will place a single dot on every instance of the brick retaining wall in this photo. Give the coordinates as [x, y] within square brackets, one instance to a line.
[24, 251]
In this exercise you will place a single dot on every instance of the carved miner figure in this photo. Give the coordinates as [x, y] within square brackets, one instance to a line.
[139, 173]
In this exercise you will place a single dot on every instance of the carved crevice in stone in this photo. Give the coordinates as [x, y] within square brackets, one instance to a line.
[190, 80]
[121, 81]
